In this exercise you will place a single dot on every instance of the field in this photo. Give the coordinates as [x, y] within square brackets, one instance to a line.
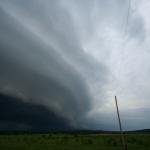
[73, 142]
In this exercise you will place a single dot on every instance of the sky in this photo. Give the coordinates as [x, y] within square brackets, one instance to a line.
[65, 60]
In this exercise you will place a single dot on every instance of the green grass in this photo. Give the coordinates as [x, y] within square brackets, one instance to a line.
[72, 142]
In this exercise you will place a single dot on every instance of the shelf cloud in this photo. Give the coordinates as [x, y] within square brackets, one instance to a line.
[69, 58]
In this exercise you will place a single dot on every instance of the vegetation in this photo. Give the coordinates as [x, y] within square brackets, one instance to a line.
[73, 142]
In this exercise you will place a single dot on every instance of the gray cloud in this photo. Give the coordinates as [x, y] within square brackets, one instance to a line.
[70, 56]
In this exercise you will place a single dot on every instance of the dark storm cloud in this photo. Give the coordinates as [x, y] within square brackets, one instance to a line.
[23, 67]
[55, 73]
[18, 115]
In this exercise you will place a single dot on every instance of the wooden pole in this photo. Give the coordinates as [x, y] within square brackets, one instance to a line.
[124, 146]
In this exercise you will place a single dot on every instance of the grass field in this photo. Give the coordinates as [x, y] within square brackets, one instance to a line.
[72, 142]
